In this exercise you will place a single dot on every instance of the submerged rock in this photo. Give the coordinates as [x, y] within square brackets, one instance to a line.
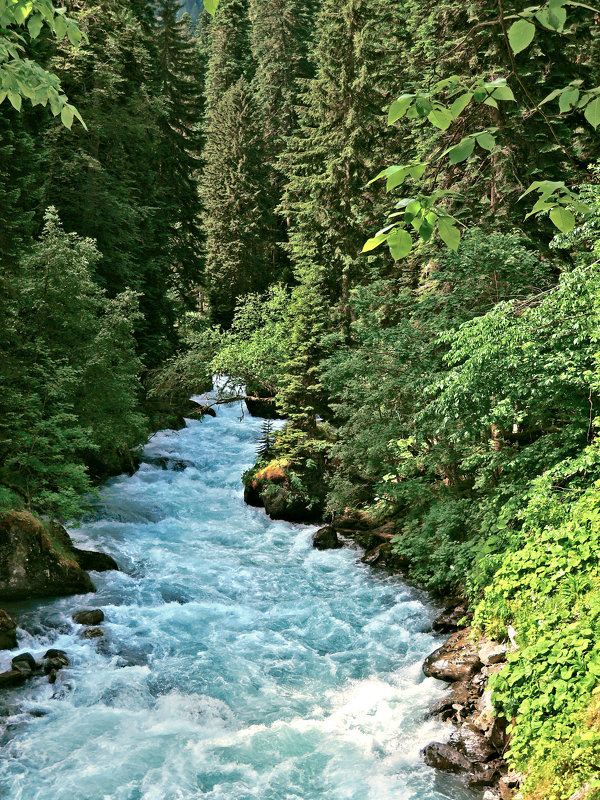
[88, 616]
[92, 633]
[326, 539]
[8, 631]
[456, 660]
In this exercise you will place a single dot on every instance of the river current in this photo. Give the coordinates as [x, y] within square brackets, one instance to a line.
[238, 662]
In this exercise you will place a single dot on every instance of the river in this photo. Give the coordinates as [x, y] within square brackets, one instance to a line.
[238, 662]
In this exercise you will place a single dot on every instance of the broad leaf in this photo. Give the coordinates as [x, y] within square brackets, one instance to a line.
[462, 151]
[592, 112]
[400, 244]
[520, 35]
[449, 233]
[563, 219]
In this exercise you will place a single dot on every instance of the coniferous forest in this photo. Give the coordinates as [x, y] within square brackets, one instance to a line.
[377, 220]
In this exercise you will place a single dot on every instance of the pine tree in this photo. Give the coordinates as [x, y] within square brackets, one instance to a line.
[238, 220]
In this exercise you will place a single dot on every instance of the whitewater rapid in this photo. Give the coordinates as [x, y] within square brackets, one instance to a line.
[238, 662]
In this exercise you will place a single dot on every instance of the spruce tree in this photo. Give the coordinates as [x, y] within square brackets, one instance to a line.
[106, 182]
[180, 88]
[238, 219]
[228, 50]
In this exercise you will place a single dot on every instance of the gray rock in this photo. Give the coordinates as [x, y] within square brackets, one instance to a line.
[88, 616]
[24, 662]
[475, 746]
[92, 633]
[454, 661]
[326, 539]
[446, 758]
[8, 631]
[492, 653]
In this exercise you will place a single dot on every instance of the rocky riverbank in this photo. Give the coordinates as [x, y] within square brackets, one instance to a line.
[479, 742]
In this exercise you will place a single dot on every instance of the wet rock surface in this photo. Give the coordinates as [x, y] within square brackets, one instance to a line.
[456, 660]
[476, 748]
[92, 633]
[39, 559]
[24, 666]
[88, 616]
[326, 539]
[8, 631]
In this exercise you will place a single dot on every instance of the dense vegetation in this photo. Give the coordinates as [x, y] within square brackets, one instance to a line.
[213, 217]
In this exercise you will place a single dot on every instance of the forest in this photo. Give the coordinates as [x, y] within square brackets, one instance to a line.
[378, 220]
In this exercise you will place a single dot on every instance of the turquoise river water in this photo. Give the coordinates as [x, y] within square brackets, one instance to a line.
[238, 662]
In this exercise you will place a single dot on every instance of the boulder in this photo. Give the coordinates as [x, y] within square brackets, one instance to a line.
[92, 633]
[24, 662]
[446, 758]
[442, 707]
[485, 774]
[57, 655]
[474, 745]
[383, 557]
[88, 616]
[508, 783]
[37, 559]
[456, 660]
[8, 631]
[13, 677]
[326, 539]
[492, 653]
[448, 621]
[97, 562]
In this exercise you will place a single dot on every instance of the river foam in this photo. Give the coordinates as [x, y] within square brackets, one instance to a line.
[238, 662]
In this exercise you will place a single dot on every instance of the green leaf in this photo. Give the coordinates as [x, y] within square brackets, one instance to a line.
[459, 105]
[440, 117]
[60, 26]
[399, 107]
[400, 244]
[371, 244]
[462, 150]
[520, 35]
[417, 171]
[592, 113]
[211, 6]
[568, 99]
[15, 99]
[503, 93]
[66, 116]
[34, 25]
[449, 233]
[396, 178]
[486, 140]
[563, 219]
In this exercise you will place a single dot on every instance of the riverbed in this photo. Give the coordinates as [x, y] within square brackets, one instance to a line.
[238, 663]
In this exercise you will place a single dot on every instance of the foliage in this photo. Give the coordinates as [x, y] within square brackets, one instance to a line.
[25, 78]
[69, 375]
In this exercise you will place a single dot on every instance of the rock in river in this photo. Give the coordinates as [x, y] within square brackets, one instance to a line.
[457, 660]
[326, 539]
[88, 616]
[8, 631]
